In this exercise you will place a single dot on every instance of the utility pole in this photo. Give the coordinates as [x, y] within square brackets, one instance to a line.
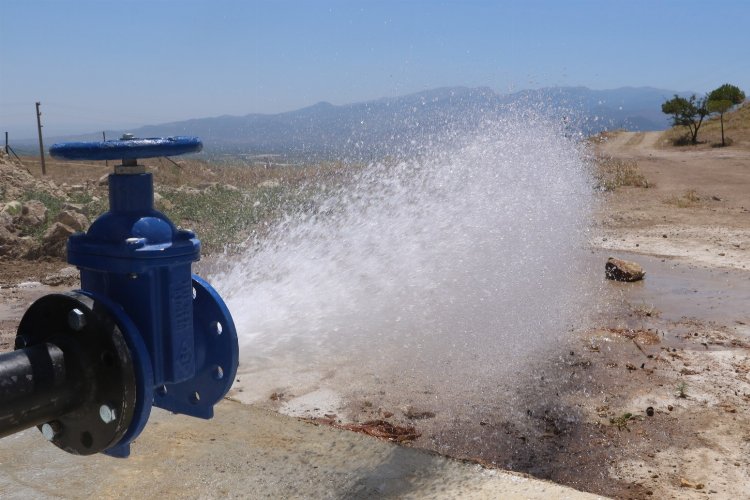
[104, 138]
[41, 144]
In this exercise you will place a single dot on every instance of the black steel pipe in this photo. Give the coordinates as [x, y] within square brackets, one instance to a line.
[36, 386]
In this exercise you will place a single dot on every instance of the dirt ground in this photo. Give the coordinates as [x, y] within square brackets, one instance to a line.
[650, 403]
[698, 206]
[695, 360]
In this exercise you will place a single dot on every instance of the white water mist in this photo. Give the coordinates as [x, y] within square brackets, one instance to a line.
[464, 258]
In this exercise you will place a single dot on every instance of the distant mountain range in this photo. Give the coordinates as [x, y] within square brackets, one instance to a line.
[395, 124]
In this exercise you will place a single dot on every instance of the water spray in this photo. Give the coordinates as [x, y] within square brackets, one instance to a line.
[452, 267]
[142, 331]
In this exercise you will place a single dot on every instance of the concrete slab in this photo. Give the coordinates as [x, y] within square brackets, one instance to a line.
[247, 452]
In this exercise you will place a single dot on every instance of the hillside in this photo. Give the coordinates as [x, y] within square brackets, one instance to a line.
[403, 124]
[228, 203]
[736, 129]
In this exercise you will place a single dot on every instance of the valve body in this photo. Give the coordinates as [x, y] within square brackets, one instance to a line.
[177, 344]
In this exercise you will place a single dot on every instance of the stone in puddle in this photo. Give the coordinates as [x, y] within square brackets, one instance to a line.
[623, 270]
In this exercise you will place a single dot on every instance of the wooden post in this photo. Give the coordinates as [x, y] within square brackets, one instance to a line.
[104, 138]
[6, 142]
[41, 144]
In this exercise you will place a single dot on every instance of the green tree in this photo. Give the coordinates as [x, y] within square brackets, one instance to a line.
[688, 113]
[721, 100]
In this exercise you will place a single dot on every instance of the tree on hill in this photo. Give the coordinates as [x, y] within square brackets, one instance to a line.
[721, 100]
[687, 113]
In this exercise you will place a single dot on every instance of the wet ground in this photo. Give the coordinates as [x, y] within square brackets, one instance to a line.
[577, 415]
[561, 414]
[674, 290]
[246, 452]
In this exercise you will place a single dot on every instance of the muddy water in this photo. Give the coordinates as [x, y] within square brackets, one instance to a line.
[679, 289]
[445, 375]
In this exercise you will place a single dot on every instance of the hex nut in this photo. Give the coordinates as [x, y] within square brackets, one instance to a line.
[107, 414]
[50, 430]
[76, 319]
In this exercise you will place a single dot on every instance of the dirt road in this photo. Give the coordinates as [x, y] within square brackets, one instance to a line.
[698, 206]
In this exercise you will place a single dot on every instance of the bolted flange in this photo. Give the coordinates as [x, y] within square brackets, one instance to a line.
[98, 366]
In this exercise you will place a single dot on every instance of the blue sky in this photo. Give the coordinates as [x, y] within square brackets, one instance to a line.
[116, 64]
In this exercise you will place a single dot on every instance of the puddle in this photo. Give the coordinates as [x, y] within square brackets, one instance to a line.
[679, 290]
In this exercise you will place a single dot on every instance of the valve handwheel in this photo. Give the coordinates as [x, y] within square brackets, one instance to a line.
[126, 148]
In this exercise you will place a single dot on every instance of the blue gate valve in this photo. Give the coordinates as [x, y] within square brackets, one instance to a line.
[142, 331]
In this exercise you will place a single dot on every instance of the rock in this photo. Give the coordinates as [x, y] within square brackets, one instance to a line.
[8, 241]
[417, 413]
[67, 276]
[74, 207]
[623, 270]
[12, 208]
[684, 483]
[74, 220]
[162, 203]
[103, 180]
[271, 183]
[55, 239]
[188, 190]
[6, 221]
[33, 214]
[231, 187]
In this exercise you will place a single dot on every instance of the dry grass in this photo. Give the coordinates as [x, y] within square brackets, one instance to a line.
[188, 172]
[689, 199]
[224, 203]
[612, 173]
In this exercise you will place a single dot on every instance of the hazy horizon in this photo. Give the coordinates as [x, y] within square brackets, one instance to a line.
[62, 129]
[112, 65]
